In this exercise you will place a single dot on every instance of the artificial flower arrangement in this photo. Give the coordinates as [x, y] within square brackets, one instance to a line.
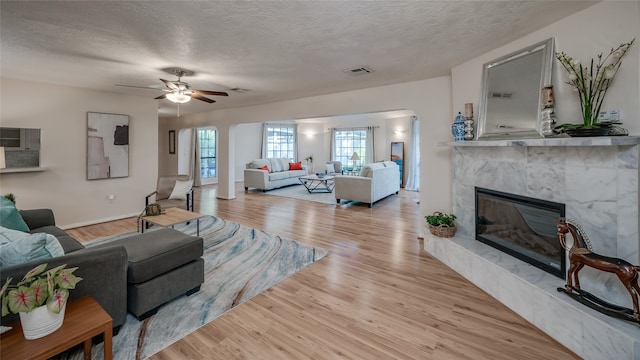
[38, 287]
[591, 81]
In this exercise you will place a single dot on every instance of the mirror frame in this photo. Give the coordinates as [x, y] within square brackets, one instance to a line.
[482, 133]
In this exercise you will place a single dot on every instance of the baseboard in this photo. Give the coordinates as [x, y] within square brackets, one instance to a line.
[97, 221]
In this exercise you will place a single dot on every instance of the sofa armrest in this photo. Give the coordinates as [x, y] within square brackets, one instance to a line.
[38, 218]
[104, 277]
[255, 178]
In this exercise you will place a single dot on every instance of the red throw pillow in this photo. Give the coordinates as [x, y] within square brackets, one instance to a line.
[295, 166]
[264, 168]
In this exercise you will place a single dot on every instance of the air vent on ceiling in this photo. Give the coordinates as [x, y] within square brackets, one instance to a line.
[501, 95]
[359, 70]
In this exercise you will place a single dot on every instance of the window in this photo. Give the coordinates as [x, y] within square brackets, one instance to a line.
[346, 143]
[208, 165]
[281, 141]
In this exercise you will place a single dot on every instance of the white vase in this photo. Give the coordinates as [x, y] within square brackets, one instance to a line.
[41, 322]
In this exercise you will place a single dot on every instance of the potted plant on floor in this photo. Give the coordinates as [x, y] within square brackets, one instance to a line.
[40, 299]
[442, 224]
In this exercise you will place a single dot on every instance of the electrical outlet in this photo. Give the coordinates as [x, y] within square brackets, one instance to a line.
[111, 197]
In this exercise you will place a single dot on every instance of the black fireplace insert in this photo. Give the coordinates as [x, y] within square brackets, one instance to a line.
[521, 226]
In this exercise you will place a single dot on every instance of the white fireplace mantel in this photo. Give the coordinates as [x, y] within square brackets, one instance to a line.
[558, 141]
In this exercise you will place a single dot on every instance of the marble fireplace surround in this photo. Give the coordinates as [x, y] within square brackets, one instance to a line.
[597, 180]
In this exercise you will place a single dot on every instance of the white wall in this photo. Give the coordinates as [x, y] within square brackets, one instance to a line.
[61, 113]
[582, 35]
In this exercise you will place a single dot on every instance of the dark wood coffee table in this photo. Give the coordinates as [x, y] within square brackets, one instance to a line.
[84, 318]
[314, 183]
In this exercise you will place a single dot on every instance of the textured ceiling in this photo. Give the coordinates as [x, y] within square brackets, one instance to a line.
[276, 49]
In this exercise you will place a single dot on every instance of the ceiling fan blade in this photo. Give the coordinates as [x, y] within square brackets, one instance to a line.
[163, 96]
[208, 92]
[170, 84]
[199, 97]
[139, 87]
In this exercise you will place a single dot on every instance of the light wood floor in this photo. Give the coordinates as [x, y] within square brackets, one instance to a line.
[376, 295]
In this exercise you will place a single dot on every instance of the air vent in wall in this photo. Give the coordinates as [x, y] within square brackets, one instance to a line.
[359, 70]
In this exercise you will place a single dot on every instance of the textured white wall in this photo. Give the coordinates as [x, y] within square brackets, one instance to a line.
[61, 113]
[582, 35]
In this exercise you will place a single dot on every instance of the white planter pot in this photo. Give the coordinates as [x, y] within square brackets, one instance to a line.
[41, 322]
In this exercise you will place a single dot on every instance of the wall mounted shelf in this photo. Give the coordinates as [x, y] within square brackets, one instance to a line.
[559, 141]
[22, 170]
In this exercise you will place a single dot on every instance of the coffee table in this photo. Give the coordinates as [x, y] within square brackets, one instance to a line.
[171, 217]
[313, 183]
[84, 318]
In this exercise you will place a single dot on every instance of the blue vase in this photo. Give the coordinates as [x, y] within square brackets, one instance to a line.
[457, 129]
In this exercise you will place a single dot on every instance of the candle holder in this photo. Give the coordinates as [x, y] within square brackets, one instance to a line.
[468, 128]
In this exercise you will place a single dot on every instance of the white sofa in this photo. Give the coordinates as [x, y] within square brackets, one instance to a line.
[278, 175]
[376, 181]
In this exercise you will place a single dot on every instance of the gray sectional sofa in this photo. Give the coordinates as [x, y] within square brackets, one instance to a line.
[277, 176]
[103, 270]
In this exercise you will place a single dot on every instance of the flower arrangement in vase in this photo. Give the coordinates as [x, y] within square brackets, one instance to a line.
[42, 292]
[591, 81]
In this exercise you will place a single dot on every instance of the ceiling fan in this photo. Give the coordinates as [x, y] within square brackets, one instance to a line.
[180, 92]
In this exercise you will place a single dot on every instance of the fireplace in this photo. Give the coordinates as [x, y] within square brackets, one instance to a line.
[521, 226]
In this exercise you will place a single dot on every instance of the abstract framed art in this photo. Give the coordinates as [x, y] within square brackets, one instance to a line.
[107, 146]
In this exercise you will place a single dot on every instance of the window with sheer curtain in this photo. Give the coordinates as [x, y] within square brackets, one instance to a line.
[346, 142]
[280, 141]
[208, 163]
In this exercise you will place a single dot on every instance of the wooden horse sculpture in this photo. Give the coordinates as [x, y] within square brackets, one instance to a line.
[581, 254]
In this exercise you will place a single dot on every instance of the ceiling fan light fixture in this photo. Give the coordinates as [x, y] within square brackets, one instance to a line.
[178, 98]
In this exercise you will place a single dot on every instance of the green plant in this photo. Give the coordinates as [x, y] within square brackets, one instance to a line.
[592, 82]
[37, 287]
[11, 197]
[439, 218]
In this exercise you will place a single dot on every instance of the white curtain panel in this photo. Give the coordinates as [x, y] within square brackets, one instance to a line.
[370, 153]
[332, 152]
[195, 151]
[413, 176]
[265, 138]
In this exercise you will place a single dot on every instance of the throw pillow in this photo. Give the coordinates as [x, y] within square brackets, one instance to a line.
[10, 217]
[295, 165]
[180, 189]
[264, 168]
[17, 247]
[330, 168]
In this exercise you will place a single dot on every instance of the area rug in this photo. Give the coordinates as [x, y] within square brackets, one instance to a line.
[300, 192]
[240, 263]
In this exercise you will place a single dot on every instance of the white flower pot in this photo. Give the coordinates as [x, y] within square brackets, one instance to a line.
[41, 322]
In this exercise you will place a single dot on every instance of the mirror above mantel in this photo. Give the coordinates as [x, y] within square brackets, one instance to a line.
[510, 101]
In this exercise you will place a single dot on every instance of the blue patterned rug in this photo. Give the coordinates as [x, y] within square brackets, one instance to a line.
[240, 263]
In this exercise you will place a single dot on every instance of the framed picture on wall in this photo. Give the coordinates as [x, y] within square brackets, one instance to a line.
[172, 141]
[397, 156]
[107, 146]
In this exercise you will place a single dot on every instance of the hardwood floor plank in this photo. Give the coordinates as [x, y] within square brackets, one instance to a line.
[376, 295]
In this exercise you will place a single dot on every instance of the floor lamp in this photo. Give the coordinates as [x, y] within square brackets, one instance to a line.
[355, 159]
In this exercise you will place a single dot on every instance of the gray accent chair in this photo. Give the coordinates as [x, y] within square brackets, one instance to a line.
[103, 270]
[337, 168]
[163, 190]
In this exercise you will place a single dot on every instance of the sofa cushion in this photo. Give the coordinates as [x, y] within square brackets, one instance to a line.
[367, 170]
[265, 168]
[258, 163]
[68, 243]
[17, 247]
[279, 175]
[279, 164]
[10, 217]
[295, 165]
